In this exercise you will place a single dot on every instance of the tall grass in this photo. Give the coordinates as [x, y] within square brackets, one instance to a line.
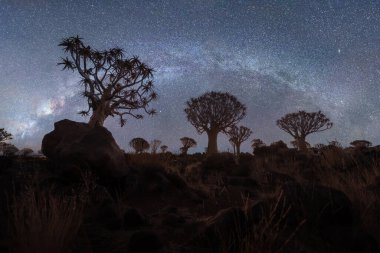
[355, 184]
[41, 222]
[269, 235]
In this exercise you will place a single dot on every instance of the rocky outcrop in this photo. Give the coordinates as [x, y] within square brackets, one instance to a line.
[95, 149]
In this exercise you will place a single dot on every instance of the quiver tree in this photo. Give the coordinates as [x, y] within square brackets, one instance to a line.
[187, 143]
[8, 149]
[296, 145]
[164, 148]
[4, 135]
[319, 146]
[335, 144]
[237, 136]
[214, 112]
[361, 144]
[257, 143]
[301, 124]
[154, 145]
[113, 84]
[139, 145]
[25, 152]
[278, 145]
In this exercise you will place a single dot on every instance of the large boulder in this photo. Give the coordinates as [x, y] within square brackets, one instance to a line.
[322, 207]
[75, 143]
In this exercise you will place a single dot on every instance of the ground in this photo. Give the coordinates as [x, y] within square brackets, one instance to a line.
[277, 200]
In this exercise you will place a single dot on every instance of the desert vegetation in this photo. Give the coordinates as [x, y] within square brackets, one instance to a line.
[301, 124]
[238, 135]
[214, 112]
[113, 84]
[87, 195]
[187, 143]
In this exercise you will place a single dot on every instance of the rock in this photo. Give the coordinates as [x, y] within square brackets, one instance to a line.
[90, 148]
[351, 240]
[322, 207]
[145, 241]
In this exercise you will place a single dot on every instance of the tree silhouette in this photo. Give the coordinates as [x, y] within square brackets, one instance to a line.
[154, 145]
[187, 143]
[25, 152]
[301, 124]
[139, 145]
[237, 136]
[4, 135]
[361, 144]
[8, 149]
[164, 148]
[335, 144]
[320, 146]
[257, 143]
[113, 85]
[278, 145]
[295, 144]
[214, 112]
[233, 145]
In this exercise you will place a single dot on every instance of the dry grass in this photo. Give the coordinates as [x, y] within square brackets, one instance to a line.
[42, 222]
[355, 185]
[146, 159]
[269, 235]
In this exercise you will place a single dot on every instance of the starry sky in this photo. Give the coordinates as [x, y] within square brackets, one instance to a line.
[276, 57]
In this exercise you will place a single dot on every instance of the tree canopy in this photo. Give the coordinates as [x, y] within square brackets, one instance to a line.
[361, 144]
[187, 143]
[164, 148]
[300, 124]
[257, 143]
[4, 135]
[238, 135]
[154, 145]
[139, 144]
[214, 112]
[114, 85]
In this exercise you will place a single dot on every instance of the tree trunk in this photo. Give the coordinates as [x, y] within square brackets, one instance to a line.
[184, 150]
[212, 147]
[98, 116]
[237, 149]
[301, 142]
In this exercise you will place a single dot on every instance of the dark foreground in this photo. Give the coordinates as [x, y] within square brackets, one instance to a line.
[279, 200]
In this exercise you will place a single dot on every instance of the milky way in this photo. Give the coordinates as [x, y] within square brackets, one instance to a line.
[275, 56]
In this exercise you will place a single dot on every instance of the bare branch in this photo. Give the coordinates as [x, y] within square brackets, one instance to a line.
[114, 85]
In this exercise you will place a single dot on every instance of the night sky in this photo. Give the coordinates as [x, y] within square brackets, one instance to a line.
[276, 57]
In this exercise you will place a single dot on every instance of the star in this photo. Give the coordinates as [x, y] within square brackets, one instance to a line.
[276, 57]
